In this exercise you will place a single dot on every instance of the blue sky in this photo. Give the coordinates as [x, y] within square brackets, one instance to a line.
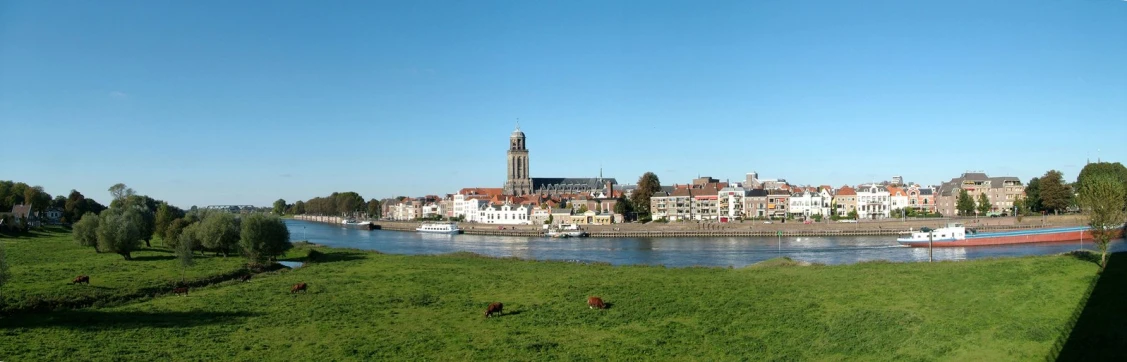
[243, 102]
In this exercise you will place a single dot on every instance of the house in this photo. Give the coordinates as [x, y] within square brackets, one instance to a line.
[873, 202]
[921, 198]
[778, 201]
[1002, 192]
[755, 203]
[730, 203]
[24, 212]
[898, 199]
[53, 216]
[705, 206]
[808, 203]
[845, 201]
[504, 214]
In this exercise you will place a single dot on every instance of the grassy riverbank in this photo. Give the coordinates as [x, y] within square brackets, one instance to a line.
[43, 263]
[372, 306]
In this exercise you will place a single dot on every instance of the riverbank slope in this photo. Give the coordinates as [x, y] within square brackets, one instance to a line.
[371, 306]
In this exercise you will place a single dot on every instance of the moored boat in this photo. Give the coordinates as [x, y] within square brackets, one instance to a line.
[956, 234]
[439, 228]
[566, 231]
[349, 223]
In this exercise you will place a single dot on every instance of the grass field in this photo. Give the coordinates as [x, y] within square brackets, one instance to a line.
[369, 306]
[44, 263]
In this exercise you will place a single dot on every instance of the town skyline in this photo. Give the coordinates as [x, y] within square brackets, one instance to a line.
[389, 99]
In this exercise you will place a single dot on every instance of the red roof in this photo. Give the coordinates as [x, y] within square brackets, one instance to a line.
[846, 191]
[482, 191]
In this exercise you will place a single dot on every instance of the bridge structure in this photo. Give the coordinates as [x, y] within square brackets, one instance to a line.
[232, 208]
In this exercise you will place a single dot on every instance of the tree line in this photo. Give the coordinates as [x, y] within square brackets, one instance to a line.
[14, 193]
[336, 204]
[132, 219]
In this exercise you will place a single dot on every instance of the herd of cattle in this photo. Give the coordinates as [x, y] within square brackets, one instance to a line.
[493, 309]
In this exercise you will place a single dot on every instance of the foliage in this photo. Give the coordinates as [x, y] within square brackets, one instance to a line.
[984, 206]
[582, 209]
[1033, 195]
[164, 218]
[299, 207]
[263, 237]
[622, 206]
[964, 203]
[852, 215]
[1054, 194]
[190, 237]
[219, 232]
[85, 231]
[338, 203]
[172, 233]
[648, 185]
[120, 192]
[368, 306]
[119, 231]
[280, 207]
[1102, 199]
[374, 209]
[1116, 170]
[43, 265]
[5, 273]
[817, 217]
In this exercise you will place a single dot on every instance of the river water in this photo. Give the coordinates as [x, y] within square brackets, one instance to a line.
[672, 252]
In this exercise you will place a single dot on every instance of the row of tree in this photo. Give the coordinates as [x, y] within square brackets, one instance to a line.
[336, 204]
[18, 193]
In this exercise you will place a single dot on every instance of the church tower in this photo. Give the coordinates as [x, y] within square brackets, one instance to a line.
[518, 183]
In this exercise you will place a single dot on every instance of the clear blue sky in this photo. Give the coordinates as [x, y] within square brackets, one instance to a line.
[243, 102]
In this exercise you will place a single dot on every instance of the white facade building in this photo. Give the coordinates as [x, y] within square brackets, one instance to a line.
[873, 202]
[730, 203]
[808, 204]
[504, 214]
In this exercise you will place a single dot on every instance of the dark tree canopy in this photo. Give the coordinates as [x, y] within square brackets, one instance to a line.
[964, 203]
[1115, 170]
[1055, 195]
[85, 231]
[1033, 195]
[648, 185]
[339, 203]
[374, 210]
[280, 207]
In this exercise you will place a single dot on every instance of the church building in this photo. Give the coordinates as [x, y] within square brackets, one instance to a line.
[519, 183]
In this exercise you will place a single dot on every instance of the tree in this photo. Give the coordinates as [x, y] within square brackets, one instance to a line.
[984, 204]
[1033, 195]
[648, 185]
[582, 209]
[1116, 170]
[184, 256]
[549, 221]
[85, 231]
[119, 231]
[172, 233]
[164, 218]
[622, 206]
[263, 237]
[219, 232]
[37, 198]
[190, 238]
[60, 202]
[1102, 200]
[964, 203]
[374, 209]
[280, 206]
[120, 192]
[852, 215]
[1055, 195]
[299, 207]
[75, 206]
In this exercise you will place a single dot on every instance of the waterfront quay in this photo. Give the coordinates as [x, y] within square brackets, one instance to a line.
[747, 228]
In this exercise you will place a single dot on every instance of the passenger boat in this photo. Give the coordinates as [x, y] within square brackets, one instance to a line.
[439, 228]
[956, 234]
[349, 223]
[566, 231]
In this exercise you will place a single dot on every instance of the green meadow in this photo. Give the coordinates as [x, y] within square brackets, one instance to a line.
[370, 306]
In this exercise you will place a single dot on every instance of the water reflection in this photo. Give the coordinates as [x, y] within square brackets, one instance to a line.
[676, 252]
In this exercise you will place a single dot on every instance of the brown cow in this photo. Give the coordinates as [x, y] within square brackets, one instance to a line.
[181, 290]
[596, 303]
[494, 308]
[298, 287]
[245, 278]
[81, 279]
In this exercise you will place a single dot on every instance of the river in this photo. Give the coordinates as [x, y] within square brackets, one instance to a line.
[672, 252]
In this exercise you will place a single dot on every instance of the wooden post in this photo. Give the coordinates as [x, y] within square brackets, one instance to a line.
[930, 238]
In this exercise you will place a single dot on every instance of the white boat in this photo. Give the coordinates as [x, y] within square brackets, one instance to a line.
[566, 231]
[349, 223]
[439, 228]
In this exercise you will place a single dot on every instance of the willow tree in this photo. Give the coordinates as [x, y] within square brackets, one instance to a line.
[219, 232]
[1102, 200]
[119, 231]
[85, 231]
[263, 237]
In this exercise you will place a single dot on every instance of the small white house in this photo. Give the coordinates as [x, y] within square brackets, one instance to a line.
[504, 214]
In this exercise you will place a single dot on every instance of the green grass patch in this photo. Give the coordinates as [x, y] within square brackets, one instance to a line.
[371, 306]
[43, 264]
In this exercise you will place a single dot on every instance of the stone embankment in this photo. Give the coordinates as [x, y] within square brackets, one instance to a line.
[746, 228]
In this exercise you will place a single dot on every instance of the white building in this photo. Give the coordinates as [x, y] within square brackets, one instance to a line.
[504, 214]
[730, 203]
[873, 202]
[898, 200]
[403, 211]
[809, 203]
[433, 209]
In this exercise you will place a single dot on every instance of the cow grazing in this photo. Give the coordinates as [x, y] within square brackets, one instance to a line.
[298, 287]
[596, 303]
[181, 291]
[494, 308]
[81, 279]
[245, 278]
